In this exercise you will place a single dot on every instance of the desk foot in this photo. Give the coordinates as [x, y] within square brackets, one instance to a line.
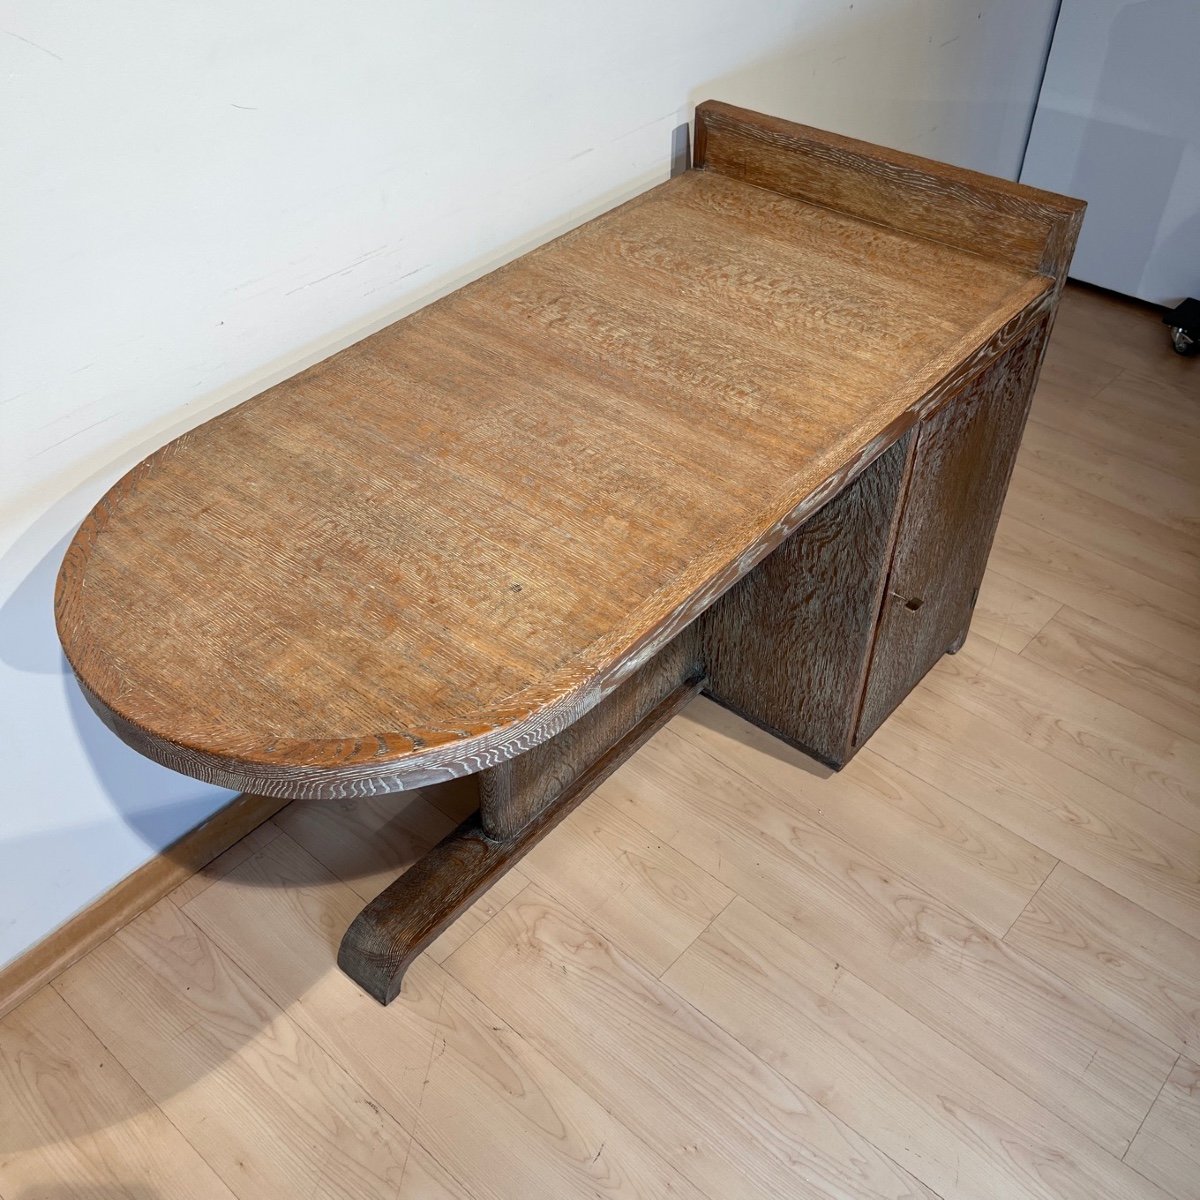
[400, 922]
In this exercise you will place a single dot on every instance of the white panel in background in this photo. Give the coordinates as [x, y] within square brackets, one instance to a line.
[1118, 124]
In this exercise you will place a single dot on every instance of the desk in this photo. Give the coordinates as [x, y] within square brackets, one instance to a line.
[748, 433]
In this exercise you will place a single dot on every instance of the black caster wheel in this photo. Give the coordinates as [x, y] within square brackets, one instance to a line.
[1184, 342]
[1184, 321]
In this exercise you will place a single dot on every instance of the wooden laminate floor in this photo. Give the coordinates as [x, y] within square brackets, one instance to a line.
[967, 966]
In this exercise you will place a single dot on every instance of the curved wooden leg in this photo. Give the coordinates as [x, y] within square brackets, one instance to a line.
[403, 919]
[407, 915]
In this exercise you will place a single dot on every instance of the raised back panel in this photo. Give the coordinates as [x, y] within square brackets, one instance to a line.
[1004, 221]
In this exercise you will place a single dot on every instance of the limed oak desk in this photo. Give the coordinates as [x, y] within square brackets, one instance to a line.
[748, 433]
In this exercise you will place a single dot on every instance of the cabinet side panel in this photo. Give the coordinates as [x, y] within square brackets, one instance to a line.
[788, 646]
[964, 458]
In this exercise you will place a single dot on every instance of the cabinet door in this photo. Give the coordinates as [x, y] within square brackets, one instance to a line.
[961, 468]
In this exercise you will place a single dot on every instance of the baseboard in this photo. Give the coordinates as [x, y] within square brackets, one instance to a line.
[133, 895]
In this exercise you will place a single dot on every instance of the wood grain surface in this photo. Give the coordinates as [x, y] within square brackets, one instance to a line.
[788, 646]
[992, 217]
[1167, 1147]
[445, 544]
[954, 852]
[934, 1109]
[964, 456]
[1134, 962]
[1055, 1042]
[735, 1127]
[110, 1133]
[195, 1028]
[513, 793]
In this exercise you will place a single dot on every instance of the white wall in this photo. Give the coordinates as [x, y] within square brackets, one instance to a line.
[1118, 124]
[201, 198]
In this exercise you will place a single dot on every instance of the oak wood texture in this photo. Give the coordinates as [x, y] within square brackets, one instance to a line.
[788, 646]
[476, 543]
[515, 792]
[964, 455]
[552, 472]
[557, 1052]
[178, 863]
[1167, 1147]
[999, 220]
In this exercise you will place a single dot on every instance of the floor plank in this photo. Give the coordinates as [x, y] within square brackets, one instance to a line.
[1167, 1147]
[1108, 531]
[426, 1179]
[366, 841]
[958, 1127]
[1145, 857]
[1140, 487]
[1157, 684]
[1101, 587]
[725, 1118]
[1064, 370]
[1131, 961]
[1041, 1034]
[1011, 614]
[978, 867]
[1095, 328]
[614, 872]
[73, 1122]
[1126, 417]
[270, 1112]
[480, 1099]
[224, 863]
[1104, 739]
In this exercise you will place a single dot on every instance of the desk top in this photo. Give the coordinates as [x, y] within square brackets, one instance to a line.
[443, 544]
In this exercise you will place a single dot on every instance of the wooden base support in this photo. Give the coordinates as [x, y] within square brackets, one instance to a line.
[400, 922]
